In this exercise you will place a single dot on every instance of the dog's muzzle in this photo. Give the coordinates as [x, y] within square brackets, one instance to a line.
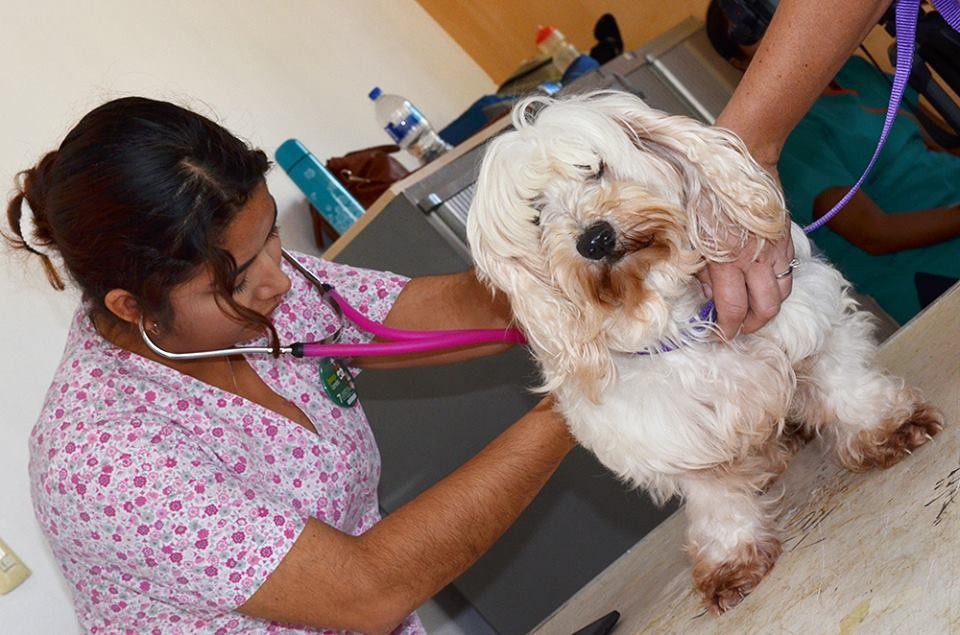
[598, 241]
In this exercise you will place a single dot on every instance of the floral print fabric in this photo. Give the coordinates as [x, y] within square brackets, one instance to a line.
[168, 502]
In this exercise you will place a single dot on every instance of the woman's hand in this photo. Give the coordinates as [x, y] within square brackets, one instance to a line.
[372, 581]
[803, 48]
[747, 291]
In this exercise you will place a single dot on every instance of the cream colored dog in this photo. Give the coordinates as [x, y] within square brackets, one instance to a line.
[594, 217]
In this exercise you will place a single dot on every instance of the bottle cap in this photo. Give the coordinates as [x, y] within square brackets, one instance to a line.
[545, 32]
[376, 92]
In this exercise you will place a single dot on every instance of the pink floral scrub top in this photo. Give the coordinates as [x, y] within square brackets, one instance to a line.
[168, 502]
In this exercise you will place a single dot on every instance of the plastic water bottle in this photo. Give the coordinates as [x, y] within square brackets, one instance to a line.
[551, 42]
[407, 126]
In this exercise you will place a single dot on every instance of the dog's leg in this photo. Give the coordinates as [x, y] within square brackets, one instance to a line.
[770, 462]
[875, 419]
[730, 536]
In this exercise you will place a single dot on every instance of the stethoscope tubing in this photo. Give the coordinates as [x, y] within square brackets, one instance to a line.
[400, 341]
[450, 340]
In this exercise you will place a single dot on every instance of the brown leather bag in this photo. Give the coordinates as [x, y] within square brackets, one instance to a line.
[367, 173]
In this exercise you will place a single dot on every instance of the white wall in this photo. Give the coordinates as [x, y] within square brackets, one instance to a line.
[266, 70]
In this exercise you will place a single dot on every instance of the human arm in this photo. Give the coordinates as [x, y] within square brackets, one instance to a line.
[864, 224]
[372, 581]
[427, 303]
[932, 118]
[803, 48]
[446, 302]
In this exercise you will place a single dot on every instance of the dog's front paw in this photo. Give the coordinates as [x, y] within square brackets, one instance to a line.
[726, 582]
[883, 450]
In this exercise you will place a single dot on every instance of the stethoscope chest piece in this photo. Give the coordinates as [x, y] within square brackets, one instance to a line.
[338, 382]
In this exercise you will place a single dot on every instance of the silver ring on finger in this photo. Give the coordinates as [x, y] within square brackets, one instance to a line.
[793, 264]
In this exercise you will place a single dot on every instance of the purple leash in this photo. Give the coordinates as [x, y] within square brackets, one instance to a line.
[907, 11]
[950, 10]
[701, 324]
[906, 28]
[402, 341]
[906, 32]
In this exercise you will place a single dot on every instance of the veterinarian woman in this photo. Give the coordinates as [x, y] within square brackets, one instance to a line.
[232, 494]
[805, 45]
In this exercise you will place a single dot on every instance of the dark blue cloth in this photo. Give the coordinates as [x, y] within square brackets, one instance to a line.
[490, 107]
[580, 66]
[475, 118]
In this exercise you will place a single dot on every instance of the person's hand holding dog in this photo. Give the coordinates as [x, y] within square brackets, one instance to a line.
[747, 291]
[804, 46]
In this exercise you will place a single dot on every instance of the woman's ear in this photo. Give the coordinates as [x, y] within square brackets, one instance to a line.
[123, 305]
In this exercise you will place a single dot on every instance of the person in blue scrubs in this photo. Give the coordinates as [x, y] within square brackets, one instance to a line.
[898, 239]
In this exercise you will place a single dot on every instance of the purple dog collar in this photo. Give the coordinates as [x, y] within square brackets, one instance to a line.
[703, 322]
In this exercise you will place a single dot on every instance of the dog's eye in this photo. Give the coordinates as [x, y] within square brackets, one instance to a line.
[596, 173]
[537, 205]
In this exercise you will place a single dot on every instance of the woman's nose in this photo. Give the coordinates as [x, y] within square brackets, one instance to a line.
[275, 283]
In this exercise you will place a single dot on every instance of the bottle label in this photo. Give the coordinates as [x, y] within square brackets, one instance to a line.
[401, 129]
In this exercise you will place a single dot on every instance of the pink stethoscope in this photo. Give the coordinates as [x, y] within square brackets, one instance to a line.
[399, 341]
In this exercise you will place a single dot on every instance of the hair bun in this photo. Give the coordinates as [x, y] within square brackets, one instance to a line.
[27, 218]
[34, 237]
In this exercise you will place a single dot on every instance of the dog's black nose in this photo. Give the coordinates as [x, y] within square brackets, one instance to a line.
[597, 241]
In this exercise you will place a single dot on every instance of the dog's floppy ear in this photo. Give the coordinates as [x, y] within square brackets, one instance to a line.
[570, 344]
[725, 191]
[504, 239]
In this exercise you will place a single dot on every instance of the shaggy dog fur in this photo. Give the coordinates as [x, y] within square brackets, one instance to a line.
[712, 421]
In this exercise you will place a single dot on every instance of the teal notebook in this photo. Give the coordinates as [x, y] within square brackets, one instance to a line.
[325, 193]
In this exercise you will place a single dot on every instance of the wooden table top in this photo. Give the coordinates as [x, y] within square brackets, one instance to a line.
[863, 553]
